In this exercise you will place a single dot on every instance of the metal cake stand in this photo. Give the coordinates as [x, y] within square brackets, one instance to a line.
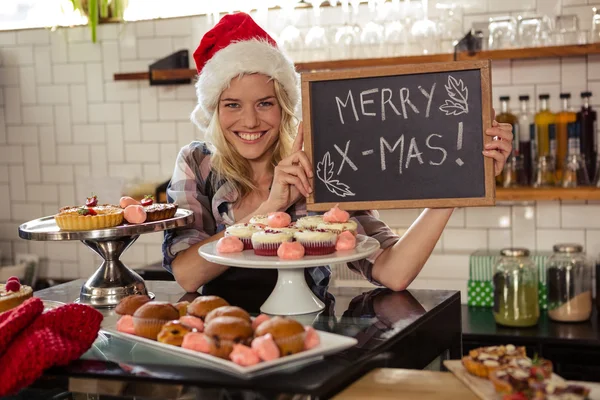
[113, 280]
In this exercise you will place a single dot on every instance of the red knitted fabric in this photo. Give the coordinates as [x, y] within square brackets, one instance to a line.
[13, 321]
[56, 337]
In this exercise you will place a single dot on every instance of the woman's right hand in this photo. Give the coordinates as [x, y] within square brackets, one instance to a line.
[291, 178]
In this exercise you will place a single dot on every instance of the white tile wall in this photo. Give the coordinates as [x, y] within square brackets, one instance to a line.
[65, 123]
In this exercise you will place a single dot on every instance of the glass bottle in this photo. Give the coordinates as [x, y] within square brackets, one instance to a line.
[525, 148]
[545, 129]
[565, 117]
[516, 289]
[506, 117]
[568, 279]
[574, 173]
[587, 119]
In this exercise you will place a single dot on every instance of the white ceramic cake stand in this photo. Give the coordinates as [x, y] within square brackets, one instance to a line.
[291, 295]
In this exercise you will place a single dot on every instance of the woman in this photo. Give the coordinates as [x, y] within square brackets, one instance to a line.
[248, 96]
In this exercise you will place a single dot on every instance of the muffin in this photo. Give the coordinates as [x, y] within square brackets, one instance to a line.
[310, 222]
[160, 211]
[227, 311]
[182, 306]
[262, 220]
[266, 243]
[287, 333]
[202, 305]
[244, 233]
[227, 331]
[130, 304]
[316, 242]
[149, 319]
[339, 227]
[82, 218]
[173, 332]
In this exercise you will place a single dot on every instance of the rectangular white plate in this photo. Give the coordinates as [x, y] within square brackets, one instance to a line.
[330, 343]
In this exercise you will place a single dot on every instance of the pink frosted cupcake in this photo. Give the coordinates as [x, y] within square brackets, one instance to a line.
[339, 227]
[244, 233]
[310, 222]
[266, 243]
[261, 220]
[316, 242]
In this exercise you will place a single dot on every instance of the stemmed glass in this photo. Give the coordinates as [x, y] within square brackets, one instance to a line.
[595, 31]
[371, 37]
[290, 38]
[424, 32]
[346, 36]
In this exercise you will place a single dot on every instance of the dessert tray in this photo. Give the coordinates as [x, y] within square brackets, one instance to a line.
[113, 280]
[330, 343]
[291, 295]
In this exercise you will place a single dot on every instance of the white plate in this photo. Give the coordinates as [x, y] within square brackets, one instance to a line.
[330, 343]
[365, 246]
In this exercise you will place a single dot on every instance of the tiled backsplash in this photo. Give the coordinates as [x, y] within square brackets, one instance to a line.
[67, 128]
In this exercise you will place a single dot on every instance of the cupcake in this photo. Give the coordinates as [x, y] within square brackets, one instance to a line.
[310, 222]
[244, 233]
[261, 220]
[287, 333]
[173, 333]
[227, 331]
[227, 311]
[202, 305]
[130, 304]
[339, 227]
[316, 242]
[266, 243]
[149, 319]
[182, 306]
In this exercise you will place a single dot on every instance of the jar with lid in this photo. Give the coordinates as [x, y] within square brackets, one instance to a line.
[569, 283]
[516, 289]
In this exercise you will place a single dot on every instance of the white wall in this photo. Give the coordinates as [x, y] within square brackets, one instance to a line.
[67, 128]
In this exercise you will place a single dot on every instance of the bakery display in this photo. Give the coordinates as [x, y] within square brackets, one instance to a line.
[214, 327]
[13, 294]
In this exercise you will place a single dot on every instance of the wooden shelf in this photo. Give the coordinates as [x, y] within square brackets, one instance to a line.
[508, 54]
[547, 194]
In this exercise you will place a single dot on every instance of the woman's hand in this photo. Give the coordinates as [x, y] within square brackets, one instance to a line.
[499, 149]
[291, 177]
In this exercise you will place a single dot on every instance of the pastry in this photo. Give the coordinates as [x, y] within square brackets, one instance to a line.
[227, 331]
[290, 251]
[160, 211]
[481, 361]
[135, 214]
[345, 241]
[243, 232]
[12, 294]
[261, 220]
[278, 219]
[82, 218]
[130, 304]
[125, 324]
[266, 243]
[243, 355]
[192, 322]
[311, 339]
[336, 215]
[339, 227]
[230, 244]
[149, 319]
[128, 201]
[173, 332]
[227, 311]
[202, 305]
[265, 347]
[287, 333]
[199, 342]
[316, 242]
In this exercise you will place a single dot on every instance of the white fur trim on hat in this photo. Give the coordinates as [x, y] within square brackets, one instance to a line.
[249, 56]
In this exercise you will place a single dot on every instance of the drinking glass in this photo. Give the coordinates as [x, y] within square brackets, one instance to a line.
[595, 31]
[575, 172]
[545, 172]
[502, 32]
[566, 30]
[514, 172]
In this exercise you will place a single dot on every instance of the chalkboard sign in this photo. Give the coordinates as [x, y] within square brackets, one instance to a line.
[399, 137]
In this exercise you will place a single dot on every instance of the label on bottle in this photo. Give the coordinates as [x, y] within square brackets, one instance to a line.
[552, 137]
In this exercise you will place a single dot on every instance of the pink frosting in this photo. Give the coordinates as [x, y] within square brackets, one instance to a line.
[243, 355]
[230, 244]
[290, 251]
[125, 324]
[279, 219]
[128, 201]
[265, 347]
[345, 241]
[336, 215]
[192, 322]
[134, 214]
[311, 339]
[198, 342]
[259, 320]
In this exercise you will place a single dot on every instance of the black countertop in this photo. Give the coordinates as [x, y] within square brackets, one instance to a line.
[409, 329]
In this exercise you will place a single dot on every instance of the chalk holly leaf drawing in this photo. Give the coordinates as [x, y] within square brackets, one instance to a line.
[459, 95]
[325, 173]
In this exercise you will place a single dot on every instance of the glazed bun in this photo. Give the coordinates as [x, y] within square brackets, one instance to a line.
[149, 319]
[202, 305]
[130, 304]
[227, 311]
[287, 333]
[227, 331]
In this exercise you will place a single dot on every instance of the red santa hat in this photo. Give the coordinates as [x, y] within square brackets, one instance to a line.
[237, 45]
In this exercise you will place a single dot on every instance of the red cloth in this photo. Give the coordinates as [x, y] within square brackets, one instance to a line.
[14, 321]
[231, 28]
[56, 337]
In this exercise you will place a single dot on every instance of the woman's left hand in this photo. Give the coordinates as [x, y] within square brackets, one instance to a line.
[499, 149]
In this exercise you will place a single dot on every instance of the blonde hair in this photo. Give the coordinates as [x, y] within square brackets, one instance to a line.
[227, 163]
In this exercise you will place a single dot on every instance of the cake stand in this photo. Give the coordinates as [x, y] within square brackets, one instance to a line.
[291, 295]
[113, 280]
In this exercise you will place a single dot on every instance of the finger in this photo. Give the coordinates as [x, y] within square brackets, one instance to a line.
[299, 141]
[503, 134]
[504, 147]
[289, 179]
[493, 115]
[298, 171]
[498, 158]
[299, 157]
[505, 126]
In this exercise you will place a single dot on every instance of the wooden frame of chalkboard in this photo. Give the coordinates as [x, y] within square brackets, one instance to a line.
[473, 185]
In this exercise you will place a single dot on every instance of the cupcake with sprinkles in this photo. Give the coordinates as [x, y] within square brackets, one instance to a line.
[260, 220]
[266, 242]
[243, 232]
[316, 242]
[339, 227]
[310, 222]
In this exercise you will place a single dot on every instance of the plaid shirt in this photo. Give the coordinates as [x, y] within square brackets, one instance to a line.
[190, 189]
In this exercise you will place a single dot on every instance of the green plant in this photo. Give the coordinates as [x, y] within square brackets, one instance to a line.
[98, 11]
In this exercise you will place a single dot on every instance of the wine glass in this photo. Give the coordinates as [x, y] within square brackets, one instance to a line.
[424, 32]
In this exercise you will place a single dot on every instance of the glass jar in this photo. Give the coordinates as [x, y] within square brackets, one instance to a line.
[516, 289]
[569, 280]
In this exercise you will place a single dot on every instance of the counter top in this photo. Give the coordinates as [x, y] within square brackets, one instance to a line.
[409, 329]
